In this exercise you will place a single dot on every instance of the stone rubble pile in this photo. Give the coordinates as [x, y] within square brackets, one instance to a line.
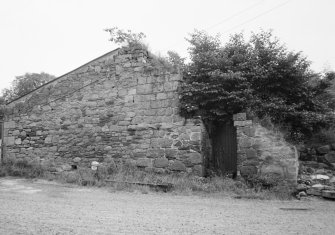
[318, 157]
[317, 172]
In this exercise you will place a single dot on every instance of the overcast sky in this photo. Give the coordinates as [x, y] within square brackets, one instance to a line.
[56, 36]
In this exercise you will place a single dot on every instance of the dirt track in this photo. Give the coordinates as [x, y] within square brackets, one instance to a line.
[47, 208]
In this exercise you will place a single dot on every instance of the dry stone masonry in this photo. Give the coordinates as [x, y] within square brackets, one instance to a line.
[317, 170]
[121, 107]
[260, 151]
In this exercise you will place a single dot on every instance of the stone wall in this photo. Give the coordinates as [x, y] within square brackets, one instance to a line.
[318, 156]
[261, 151]
[316, 170]
[121, 107]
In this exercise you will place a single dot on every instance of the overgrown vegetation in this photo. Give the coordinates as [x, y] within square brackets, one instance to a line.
[22, 168]
[121, 176]
[322, 137]
[120, 36]
[23, 84]
[260, 76]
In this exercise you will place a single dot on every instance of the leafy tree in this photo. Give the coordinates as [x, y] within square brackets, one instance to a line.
[2, 101]
[259, 75]
[24, 84]
[327, 83]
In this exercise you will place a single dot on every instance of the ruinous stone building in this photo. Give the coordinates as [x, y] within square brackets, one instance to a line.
[123, 107]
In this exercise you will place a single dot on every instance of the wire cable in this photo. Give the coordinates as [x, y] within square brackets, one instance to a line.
[234, 15]
[245, 22]
[257, 16]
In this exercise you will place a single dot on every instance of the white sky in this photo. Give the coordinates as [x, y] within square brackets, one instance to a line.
[56, 36]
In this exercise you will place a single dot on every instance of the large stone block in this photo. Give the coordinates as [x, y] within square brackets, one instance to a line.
[198, 170]
[272, 169]
[9, 140]
[155, 153]
[141, 80]
[328, 194]
[160, 104]
[251, 153]
[248, 171]
[16, 132]
[175, 77]
[48, 140]
[108, 148]
[195, 136]
[240, 117]
[323, 149]
[194, 158]
[144, 89]
[9, 125]
[245, 142]
[161, 96]
[76, 159]
[165, 143]
[143, 162]
[251, 162]
[330, 157]
[171, 153]
[307, 157]
[243, 123]
[161, 162]
[170, 86]
[247, 130]
[177, 166]
[18, 141]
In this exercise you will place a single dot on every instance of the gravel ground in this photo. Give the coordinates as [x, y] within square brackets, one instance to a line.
[42, 207]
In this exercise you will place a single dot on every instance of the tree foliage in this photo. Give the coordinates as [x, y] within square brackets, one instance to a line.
[175, 59]
[259, 75]
[120, 36]
[24, 84]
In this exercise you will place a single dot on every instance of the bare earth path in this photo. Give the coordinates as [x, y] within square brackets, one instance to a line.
[47, 208]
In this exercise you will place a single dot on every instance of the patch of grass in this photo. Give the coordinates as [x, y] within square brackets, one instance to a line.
[123, 175]
[271, 186]
[21, 168]
[3, 172]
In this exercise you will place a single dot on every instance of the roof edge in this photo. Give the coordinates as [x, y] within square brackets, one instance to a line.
[45, 84]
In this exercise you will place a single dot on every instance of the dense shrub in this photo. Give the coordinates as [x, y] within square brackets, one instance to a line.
[259, 75]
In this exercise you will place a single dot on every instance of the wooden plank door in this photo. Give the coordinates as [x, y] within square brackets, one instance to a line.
[225, 148]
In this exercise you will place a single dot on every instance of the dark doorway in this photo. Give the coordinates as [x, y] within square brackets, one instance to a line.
[224, 148]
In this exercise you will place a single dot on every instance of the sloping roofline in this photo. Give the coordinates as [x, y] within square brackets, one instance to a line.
[62, 76]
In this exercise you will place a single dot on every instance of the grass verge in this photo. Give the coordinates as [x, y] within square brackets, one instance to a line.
[121, 174]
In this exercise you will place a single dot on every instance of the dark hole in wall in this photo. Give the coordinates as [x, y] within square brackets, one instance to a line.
[74, 167]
